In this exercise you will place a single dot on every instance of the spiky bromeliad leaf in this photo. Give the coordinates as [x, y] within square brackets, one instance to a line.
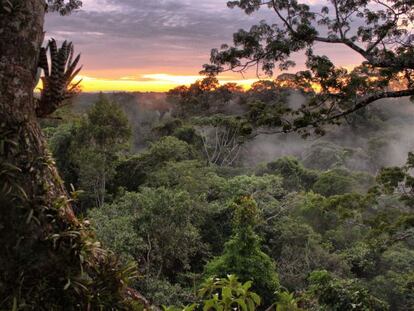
[59, 72]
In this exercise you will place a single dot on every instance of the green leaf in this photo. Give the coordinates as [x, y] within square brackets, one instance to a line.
[250, 304]
[208, 304]
[247, 285]
[190, 307]
[226, 293]
[256, 298]
[242, 304]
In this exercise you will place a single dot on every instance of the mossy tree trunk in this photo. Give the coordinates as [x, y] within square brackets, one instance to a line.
[21, 36]
[48, 259]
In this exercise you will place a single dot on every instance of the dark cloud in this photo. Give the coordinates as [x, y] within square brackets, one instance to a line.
[150, 35]
[136, 33]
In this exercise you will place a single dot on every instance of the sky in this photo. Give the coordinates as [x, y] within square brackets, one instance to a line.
[155, 45]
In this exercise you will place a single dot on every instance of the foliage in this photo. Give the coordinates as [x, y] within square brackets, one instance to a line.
[364, 239]
[168, 220]
[87, 150]
[376, 31]
[120, 214]
[265, 189]
[224, 294]
[242, 255]
[223, 138]
[100, 138]
[399, 179]
[132, 172]
[62, 6]
[340, 181]
[268, 92]
[159, 231]
[204, 97]
[287, 302]
[327, 155]
[49, 258]
[189, 175]
[61, 145]
[302, 232]
[395, 288]
[298, 250]
[228, 294]
[295, 176]
[163, 292]
[334, 294]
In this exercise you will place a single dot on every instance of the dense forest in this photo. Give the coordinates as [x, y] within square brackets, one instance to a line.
[295, 194]
[324, 224]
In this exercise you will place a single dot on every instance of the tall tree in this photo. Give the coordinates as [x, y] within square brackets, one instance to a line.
[49, 260]
[378, 31]
[101, 137]
[242, 255]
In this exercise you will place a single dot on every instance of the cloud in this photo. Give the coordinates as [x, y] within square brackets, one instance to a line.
[148, 37]
[135, 33]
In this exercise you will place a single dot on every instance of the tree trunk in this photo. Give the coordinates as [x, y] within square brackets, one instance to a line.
[48, 259]
[30, 185]
[21, 36]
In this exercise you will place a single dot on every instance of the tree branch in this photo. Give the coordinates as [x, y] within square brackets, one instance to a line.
[359, 105]
[370, 99]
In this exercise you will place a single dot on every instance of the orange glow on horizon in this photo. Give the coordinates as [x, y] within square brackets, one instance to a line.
[156, 82]
[160, 82]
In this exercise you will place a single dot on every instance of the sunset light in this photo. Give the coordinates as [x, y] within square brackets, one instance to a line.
[161, 82]
[183, 155]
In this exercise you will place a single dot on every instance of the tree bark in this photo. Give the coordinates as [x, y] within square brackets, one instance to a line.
[48, 259]
[21, 36]
[30, 185]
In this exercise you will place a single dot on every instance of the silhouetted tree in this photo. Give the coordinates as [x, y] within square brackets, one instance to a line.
[379, 31]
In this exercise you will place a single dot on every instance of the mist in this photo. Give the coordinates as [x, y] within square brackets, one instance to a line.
[143, 111]
[382, 137]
